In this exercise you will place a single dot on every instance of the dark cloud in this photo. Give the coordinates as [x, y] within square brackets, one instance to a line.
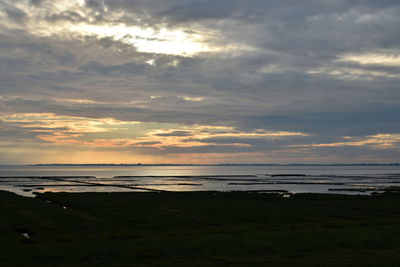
[16, 14]
[175, 133]
[280, 65]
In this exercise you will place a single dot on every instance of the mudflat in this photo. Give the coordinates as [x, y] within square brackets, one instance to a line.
[199, 229]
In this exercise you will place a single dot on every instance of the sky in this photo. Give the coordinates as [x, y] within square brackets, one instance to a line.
[199, 81]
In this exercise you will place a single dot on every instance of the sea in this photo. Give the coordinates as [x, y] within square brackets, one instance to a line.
[286, 180]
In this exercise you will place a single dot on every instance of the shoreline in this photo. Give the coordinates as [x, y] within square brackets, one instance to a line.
[28, 185]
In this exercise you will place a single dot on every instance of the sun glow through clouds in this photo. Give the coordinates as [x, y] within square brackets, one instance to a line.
[164, 41]
[72, 20]
[199, 81]
[146, 40]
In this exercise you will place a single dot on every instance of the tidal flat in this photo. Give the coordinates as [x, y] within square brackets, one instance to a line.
[199, 229]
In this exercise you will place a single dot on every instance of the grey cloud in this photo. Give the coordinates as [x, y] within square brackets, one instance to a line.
[129, 68]
[372, 121]
[37, 2]
[15, 14]
[208, 149]
[94, 4]
[12, 132]
[149, 143]
[68, 16]
[175, 133]
[271, 85]
[265, 144]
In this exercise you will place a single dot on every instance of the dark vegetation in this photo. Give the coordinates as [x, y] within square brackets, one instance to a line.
[200, 229]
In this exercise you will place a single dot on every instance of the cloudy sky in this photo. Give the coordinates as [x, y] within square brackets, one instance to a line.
[199, 81]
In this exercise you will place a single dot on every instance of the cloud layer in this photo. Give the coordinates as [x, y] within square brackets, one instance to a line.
[199, 81]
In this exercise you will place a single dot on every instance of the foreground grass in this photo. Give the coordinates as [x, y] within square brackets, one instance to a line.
[199, 228]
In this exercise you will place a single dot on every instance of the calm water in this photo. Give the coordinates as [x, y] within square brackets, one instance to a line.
[26, 180]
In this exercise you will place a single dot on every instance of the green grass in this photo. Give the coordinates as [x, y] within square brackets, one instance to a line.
[200, 229]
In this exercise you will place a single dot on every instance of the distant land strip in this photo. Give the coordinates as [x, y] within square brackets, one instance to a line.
[225, 164]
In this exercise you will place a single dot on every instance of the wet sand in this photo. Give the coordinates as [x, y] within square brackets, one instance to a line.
[293, 183]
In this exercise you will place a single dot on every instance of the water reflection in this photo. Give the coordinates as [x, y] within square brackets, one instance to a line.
[28, 180]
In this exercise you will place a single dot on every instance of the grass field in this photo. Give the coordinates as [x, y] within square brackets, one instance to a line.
[199, 229]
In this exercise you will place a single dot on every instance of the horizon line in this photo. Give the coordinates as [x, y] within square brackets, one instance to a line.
[210, 164]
